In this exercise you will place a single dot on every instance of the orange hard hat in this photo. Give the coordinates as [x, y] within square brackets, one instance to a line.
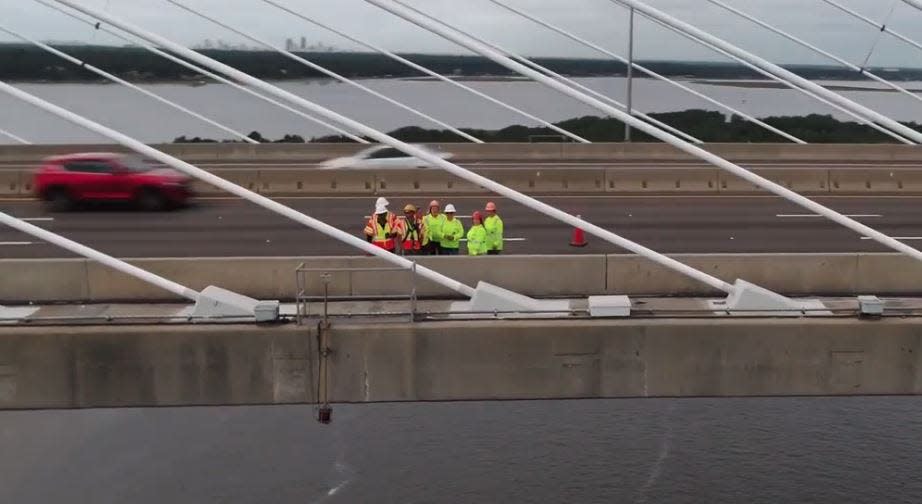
[477, 216]
[491, 207]
[434, 203]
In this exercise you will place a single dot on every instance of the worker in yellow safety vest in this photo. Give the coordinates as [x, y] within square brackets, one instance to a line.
[477, 236]
[432, 229]
[383, 227]
[452, 232]
[494, 226]
[412, 231]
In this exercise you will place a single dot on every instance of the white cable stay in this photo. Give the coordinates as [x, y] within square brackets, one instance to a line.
[880, 26]
[775, 69]
[428, 71]
[232, 188]
[325, 71]
[547, 71]
[123, 82]
[423, 154]
[14, 137]
[857, 117]
[206, 73]
[648, 71]
[395, 7]
[93, 254]
[816, 49]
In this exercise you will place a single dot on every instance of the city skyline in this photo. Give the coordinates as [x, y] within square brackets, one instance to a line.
[601, 21]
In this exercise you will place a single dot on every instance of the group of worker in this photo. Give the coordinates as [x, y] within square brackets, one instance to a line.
[436, 233]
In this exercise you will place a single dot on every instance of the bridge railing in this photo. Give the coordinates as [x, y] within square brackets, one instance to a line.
[303, 300]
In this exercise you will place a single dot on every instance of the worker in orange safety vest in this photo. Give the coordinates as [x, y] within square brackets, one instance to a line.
[383, 227]
[411, 234]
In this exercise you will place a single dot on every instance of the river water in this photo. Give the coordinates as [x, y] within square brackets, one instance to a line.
[803, 450]
[148, 120]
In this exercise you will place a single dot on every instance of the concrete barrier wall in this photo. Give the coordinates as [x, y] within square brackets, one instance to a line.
[123, 366]
[16, 182]
[502, 152]
[571, 181]
[79, 280]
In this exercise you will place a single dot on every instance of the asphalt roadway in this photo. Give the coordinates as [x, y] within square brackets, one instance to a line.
[228, 227]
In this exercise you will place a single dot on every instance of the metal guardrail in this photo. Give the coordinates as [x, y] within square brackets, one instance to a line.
[303, 300]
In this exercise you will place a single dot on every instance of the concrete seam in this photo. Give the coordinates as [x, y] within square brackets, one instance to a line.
[86, 279]
[605, 272]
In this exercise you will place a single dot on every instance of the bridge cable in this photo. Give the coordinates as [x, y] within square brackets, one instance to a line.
[325, 71]
[880, 26]
[14, 137]
[648, 71]
[879, 35]
[428, 71]
[816, 49]
[202, 71]
[861, 119]
[123, 82]
[547, 71]
[775, 69]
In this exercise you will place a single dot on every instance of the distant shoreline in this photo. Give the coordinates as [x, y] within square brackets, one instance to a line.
[26, 63]
[767, 84]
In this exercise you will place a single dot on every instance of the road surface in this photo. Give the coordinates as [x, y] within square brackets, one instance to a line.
[227, 227]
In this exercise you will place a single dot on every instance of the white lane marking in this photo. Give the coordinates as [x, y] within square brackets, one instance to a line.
[37, 219]
[853, 216]
[504, 239]
[16, 244]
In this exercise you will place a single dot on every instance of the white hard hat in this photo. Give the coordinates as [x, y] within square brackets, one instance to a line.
[382, 202]
[380, 209]
[449, 208]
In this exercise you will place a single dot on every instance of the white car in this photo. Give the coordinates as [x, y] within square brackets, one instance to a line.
[380, 157]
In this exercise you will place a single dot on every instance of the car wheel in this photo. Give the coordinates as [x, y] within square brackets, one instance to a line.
[60, 200]
[150, 200]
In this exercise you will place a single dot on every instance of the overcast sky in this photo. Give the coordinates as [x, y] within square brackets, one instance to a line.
[600, 21]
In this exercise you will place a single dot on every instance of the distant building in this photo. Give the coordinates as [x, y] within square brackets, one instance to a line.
[303, 43]
[289, 44]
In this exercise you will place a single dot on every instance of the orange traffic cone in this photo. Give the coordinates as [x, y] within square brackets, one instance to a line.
[579, 237]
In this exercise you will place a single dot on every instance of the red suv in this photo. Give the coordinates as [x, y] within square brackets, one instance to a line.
[64, 181]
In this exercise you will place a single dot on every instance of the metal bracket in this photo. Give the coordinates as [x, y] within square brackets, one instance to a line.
[506, 303]
[215, 302]
[749, 299]
[14, 315]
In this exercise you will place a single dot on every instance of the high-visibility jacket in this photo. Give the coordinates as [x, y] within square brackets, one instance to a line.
[381, 235]
[452, 232]
[412, 234]
[494, 226]
[432, 228]
[477, 240]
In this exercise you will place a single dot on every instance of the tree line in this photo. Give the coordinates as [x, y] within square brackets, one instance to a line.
[708, 126]
[25, 62]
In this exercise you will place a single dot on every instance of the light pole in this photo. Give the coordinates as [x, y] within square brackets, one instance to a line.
[630, 73]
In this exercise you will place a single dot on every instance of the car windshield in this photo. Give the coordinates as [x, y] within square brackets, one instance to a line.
[137, 164]
[386, 152]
